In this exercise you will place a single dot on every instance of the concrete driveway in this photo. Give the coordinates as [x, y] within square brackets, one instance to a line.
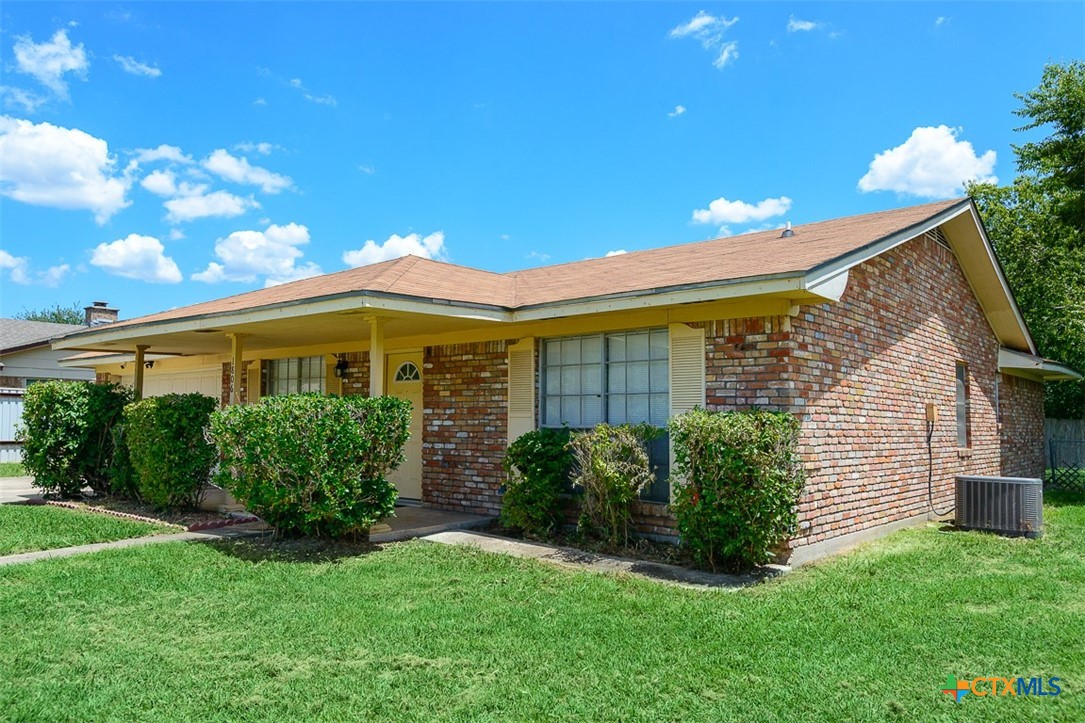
[17, 489]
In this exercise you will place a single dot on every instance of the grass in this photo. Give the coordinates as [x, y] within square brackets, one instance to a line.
[420, 631]
[12, 469]
[26, 528]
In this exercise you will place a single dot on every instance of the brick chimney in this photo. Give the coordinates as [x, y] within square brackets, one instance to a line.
[99, 313]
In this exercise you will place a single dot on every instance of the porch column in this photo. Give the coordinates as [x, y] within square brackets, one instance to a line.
[236, 367]
[376, 356]
[138, 383]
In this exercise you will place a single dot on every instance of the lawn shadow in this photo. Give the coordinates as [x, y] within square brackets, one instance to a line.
[296, 550]
[1063, 498]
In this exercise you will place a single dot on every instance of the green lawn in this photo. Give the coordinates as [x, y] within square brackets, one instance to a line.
[26, 528]
[421, 631]
[12, 469]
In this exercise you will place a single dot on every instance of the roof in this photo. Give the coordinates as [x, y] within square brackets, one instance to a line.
[18, 334]
[755, 255]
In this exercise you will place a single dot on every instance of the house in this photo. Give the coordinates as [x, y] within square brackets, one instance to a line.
[26, 357]
[856, 325]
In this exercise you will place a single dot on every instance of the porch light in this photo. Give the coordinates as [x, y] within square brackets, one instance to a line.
[340, 367]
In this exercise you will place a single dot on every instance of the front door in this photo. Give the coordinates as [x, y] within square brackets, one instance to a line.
[404, 380]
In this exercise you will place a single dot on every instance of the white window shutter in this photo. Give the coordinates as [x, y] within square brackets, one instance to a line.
[521, 388]
[252, 380]
[687, 368]
[687, 372]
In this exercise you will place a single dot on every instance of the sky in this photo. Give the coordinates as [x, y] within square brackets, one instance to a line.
[154, 155]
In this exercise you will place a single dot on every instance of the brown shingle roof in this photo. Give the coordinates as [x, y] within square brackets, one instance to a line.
[723, 259]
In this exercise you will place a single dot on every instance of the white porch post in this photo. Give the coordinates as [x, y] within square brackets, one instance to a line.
[138, 383]
[236, 368]
[376, 356]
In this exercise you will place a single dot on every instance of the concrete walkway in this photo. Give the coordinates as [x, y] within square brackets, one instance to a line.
[580, 560]
[246, 530]
[410, 522]
[17, 489]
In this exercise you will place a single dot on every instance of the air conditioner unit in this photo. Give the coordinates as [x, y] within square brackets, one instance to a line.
[1011, 506]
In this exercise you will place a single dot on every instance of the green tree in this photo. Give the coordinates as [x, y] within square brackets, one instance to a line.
[1037, 226]
[57, 314]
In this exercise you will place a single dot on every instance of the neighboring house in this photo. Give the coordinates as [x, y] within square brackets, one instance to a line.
[855, 325]
[26, 356]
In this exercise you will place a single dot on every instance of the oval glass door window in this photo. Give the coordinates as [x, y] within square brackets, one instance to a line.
[407, 372]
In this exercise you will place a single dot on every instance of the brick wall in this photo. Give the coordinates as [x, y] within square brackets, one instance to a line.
[1021, 403]
[355, 381]
[465, 424]
[866, 367]
[227, 384]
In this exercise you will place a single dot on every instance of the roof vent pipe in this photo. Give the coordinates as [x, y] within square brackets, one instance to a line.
[788, 233]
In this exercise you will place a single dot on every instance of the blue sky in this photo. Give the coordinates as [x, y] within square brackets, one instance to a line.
[156, 155]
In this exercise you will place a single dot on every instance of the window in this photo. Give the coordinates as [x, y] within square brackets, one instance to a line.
[407, 372]
[614, 378]
[294, 376]
[964, 430]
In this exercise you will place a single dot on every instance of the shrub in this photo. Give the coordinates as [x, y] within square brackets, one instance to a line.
[737, 479]
[536, 467]
[310, 464]
[167, 444]
[611, 466]
[67, 434]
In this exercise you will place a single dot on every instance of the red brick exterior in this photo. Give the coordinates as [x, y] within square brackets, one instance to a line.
[1021, 404]
[227, 385]
[355, 381]
[465, 425]
[867, 366]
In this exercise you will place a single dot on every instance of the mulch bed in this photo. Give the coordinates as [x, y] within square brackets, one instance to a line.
[637, 549]
[186, 519]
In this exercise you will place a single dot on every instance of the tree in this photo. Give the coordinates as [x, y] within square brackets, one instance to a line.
[1037, 226]
[58, 314]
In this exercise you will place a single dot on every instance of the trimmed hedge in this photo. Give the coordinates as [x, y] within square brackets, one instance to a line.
[166, 440]
[536, 467]
[310, 464]
[737, 479]
[67, 434]
[611, 465]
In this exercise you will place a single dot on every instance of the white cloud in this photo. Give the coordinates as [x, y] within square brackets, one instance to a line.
[137, 257]
[328, 100]
[49, 61]
[19, 97]
[931, 163]
[259, 101]
[616, 252]
[18, 268]
[795, 25]
[136, 67]
[48, 165]
[678, 110]
[164, 152]
[533, 255]
[176, 234]
[196, 203]
[161, 183]
[722, 211]
[428, 247]
[263, 148]
[239, 170]
[941, 20]
[709, 30]
[246, 255]
[367, 169]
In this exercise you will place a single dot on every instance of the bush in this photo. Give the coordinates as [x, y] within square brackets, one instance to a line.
[536, 467]
[167, 444]
[611, 466]
[67, 434]
[737, 479]
[310, 464]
